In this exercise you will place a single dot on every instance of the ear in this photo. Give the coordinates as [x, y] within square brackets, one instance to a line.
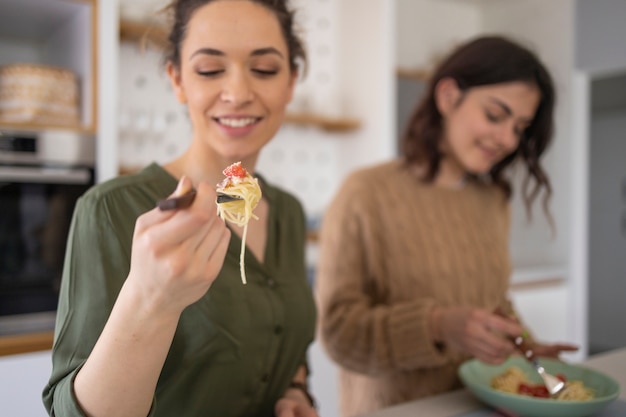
[447, 95]
[175, 79]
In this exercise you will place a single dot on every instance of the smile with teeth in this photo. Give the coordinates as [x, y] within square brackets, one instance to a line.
[236, 122]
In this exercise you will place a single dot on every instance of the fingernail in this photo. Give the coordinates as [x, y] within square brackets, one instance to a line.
[182, 187]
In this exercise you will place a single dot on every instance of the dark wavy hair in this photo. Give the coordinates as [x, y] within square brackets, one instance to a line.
[180, 12]
[484, 61]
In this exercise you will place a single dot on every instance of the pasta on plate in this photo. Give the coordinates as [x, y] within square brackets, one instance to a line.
[515, 381]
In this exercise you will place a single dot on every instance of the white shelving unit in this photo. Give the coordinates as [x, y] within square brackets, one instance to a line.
[58, 33]
[81, 35]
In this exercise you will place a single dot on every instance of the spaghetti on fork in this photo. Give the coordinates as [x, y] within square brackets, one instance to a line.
[240, 184]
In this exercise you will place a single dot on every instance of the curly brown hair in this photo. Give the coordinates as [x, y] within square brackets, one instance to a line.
[484, 61]
[181, 11]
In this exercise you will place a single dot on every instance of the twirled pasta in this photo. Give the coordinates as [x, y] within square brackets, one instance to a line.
[239, 183]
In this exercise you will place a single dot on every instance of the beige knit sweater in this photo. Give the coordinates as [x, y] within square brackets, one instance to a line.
[391, 249]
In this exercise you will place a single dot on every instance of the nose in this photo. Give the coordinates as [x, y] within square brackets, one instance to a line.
[237, 89]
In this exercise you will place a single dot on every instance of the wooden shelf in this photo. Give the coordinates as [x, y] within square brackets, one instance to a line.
[417, 74]
[35, 127]
[25, 343]
[312, 236]
[143, 33]
[330, 124]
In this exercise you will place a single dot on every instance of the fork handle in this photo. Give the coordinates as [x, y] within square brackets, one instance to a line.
[521, 343]
[524, 348]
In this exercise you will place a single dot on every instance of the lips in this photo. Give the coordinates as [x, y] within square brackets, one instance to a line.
[237, 122]
[490, 153]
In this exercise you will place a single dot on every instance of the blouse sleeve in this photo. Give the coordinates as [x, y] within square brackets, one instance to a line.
[358, 331]
[97, 262]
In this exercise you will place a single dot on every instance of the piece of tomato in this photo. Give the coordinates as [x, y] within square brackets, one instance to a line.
[538, 391]
[235, 170]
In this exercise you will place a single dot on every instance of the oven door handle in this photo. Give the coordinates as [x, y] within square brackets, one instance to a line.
[45, 175]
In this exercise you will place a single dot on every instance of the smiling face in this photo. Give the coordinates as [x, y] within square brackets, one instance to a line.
[483, 125]
[235, 79]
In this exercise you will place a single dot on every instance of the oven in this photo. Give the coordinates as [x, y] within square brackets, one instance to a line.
[41, 176]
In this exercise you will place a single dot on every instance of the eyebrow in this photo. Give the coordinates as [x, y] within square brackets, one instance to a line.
[256, 52]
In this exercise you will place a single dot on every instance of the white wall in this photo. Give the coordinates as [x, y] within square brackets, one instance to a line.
[532, 22]
[548, 29]
[428, 29]
[22, 379]
[106, 143]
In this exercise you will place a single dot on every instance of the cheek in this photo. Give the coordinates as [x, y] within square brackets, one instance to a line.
[277, 100]
[196, 99]
[276, 95]
[462, 132]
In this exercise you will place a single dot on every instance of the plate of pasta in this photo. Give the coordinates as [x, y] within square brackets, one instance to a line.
[515, 387]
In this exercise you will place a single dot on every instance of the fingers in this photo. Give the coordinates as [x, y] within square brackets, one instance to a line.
[155, 216]
[553, 350]
[488, 337]
[173, 227]
[197, 236]
[502, 325]
[493, 348]
[565, 347]
[184, 186]
[211, 251]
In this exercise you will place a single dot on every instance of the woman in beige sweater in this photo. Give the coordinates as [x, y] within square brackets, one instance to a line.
[414, 252]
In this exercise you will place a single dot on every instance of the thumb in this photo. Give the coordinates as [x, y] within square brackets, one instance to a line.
[182, 196]
[184, 186]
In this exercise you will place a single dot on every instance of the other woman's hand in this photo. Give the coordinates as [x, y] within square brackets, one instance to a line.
[176, 255]
[476, 332]
[553, 350]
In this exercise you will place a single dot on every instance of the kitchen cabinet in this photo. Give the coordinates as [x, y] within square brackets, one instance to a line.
[80, 35]
[59, 33]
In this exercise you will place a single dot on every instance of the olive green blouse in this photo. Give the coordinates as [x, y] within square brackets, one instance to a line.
[234, 351]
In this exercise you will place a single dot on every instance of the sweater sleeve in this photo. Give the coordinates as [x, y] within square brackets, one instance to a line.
[359, 330]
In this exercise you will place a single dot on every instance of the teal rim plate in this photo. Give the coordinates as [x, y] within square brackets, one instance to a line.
[477, 378]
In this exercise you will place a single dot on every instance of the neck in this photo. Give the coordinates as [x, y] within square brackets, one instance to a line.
[450, 175]
[199, 167]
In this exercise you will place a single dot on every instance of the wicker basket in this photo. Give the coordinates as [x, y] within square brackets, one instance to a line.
[38, 94]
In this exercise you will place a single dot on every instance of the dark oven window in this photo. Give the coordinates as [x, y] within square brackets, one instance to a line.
[34, 222]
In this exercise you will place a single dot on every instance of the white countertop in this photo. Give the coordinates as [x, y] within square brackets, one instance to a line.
[454, 403]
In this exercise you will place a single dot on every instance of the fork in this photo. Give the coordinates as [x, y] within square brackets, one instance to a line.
[553, 384]
[186, 199]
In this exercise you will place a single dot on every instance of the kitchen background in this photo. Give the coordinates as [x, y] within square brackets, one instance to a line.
[365, 55]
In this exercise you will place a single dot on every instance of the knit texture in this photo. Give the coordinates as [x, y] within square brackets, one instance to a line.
[392, 248]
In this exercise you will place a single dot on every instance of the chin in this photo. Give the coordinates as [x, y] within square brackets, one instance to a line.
[478, 170]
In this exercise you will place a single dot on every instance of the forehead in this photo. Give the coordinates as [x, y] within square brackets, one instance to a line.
[521, 97]
[240, 24]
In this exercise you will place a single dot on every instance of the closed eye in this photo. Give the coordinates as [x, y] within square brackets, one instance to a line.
[494, 118]
[266, 73]
[210, 73]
